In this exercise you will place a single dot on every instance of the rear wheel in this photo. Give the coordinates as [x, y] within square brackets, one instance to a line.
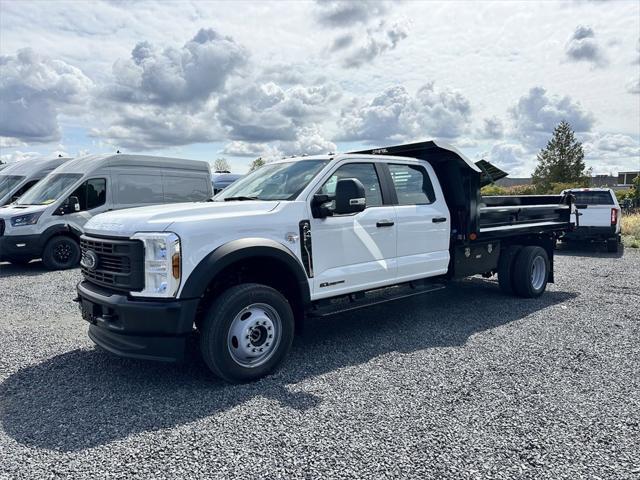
[505, 269]
[247, 332]
[61, 253]
[531, 272]
[612, 245]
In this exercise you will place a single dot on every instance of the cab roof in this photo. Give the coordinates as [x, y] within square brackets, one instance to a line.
[33, 166]
[92, 162]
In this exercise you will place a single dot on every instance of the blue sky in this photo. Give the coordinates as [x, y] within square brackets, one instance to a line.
[245, 79]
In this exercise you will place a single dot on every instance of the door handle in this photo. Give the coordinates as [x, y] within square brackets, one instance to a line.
[439, 219]
[384, 223]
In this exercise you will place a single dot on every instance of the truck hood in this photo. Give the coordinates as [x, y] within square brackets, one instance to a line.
[9, 211]
[158, 218]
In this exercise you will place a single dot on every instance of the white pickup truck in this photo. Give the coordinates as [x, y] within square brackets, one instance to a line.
[306, 236]
[599, 213]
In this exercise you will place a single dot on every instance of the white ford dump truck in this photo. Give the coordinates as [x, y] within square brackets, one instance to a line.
[307, 236]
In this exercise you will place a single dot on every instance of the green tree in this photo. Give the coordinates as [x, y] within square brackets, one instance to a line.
[561, 161]
[256, 164]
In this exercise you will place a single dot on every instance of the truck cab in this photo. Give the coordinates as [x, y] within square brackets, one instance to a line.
[304, 237]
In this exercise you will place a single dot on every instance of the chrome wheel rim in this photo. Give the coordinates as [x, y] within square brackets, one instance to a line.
[538, 273]
[254, 335]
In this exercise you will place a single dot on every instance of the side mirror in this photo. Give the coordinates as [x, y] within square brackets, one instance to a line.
[74, 204]
[350, 196]
[319, 207]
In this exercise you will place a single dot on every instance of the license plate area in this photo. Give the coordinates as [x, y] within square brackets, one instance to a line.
[90, 311]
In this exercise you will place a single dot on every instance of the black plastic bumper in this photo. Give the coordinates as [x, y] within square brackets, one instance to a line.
[20, 247]
[592, 233]
[147, 329]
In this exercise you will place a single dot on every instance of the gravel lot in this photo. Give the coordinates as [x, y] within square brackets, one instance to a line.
[461, 383]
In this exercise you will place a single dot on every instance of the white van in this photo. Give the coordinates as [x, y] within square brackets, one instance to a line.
[48, 220]
[16, 178]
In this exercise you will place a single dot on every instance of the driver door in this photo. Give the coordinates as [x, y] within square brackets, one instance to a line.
[355, 251]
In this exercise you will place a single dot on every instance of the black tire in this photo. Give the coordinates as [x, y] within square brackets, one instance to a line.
[612, 245]
[216, 340]
[61, 253]
[525, 281]
[505, 269]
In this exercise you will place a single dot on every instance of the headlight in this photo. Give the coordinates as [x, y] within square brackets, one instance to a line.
[162, 264]
[28, 219]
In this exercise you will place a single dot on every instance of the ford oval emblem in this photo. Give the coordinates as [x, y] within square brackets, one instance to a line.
[89, 260]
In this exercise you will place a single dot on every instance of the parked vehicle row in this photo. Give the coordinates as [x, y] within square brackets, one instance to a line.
[306, 237]
[48, 220]
[19, 177]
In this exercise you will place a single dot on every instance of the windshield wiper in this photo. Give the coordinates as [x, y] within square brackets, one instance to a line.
[241, 197]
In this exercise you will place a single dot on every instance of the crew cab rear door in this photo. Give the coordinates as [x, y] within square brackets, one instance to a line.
[423, 222]
[356, 251]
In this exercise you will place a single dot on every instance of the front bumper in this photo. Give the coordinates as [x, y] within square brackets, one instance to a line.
[146, 329]
[20, 247]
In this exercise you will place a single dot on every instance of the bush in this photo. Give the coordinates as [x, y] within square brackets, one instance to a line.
[631, 230]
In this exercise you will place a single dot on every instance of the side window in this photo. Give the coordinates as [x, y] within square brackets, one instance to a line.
[366, 173]
[185, 189]
[137, 189]
[96, 192]
[91, 194]
[413, 185]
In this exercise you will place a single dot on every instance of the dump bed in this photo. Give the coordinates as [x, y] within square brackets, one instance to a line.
[500, 216]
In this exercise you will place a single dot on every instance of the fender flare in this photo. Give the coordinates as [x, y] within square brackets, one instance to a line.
[241, 249]
[57, 229]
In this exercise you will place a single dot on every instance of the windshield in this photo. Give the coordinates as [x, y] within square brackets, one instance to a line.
[8, 183]
[279, 181]
[49, 189]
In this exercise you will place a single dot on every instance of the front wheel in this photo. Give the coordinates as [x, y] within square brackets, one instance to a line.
[531, 272]
[61, 253]
[247, 332]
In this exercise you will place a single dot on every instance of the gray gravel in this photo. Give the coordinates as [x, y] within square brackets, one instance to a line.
[461, 383]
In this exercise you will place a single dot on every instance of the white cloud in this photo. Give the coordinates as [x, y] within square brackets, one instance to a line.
[344, 13]
[374, 43]
[176, 75]
[34, 90]
[309, 141]
[633, 86]
[536, 114]
[583, 46]
[513, 158]
[492, 128]
[395, 114]
[267, 112]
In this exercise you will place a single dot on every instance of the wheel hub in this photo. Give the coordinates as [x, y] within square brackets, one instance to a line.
[254, 335]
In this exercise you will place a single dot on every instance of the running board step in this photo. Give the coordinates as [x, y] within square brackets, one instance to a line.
[354, 301]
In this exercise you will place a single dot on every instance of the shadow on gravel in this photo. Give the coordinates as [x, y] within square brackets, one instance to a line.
[587, 249]
[83, 399]
[31, 269]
